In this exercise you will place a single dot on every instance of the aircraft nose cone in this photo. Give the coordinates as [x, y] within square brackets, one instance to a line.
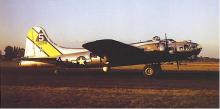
[198, 49]
[199, 46]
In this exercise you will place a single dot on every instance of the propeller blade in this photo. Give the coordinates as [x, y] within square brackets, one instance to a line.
[166, 43]
[178, 66]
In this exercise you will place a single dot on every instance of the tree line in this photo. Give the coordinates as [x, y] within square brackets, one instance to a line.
[12, 52]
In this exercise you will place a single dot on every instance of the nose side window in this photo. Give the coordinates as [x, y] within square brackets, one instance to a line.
[186, 47]
[181, 48]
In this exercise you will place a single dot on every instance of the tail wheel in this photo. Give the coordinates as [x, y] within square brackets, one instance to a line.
[56, 72]
[151, 70]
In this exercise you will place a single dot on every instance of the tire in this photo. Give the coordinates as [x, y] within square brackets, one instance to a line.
[151, 70]
[56, 72]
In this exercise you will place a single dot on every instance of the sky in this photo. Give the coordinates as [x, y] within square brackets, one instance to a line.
[73, 22]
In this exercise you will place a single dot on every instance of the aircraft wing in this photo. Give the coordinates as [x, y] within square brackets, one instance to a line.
[118, 53]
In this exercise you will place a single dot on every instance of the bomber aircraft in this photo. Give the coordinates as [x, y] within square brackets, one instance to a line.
[106, 53]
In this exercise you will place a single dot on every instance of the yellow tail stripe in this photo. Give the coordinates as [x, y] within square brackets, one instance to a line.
[44, 45]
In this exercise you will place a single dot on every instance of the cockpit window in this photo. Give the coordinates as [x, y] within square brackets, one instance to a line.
[181, 48]
[186, 47]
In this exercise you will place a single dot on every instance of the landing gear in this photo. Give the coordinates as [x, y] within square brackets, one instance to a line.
[151, 70]
[106, 68]
[56, 71]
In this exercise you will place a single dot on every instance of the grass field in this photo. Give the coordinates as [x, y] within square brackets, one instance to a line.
[107, 97]
[35, 87]
[196, 66]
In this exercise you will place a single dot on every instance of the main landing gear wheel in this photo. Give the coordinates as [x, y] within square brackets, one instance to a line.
[106, 68]
[151, 70]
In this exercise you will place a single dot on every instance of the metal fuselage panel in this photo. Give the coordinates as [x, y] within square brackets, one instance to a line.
[81, 59]
[154, 52]
[41, 49]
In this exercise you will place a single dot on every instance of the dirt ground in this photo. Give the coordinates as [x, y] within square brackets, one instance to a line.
[194, 85]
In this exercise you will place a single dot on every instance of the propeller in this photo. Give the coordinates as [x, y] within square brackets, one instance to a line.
[167, 50]
[178, 64]
[194, 57]
[166, 44]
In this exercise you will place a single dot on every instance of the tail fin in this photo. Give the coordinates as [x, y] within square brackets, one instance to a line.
[38, 44]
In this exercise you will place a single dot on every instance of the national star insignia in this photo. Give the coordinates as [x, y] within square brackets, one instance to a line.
[81, 61]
